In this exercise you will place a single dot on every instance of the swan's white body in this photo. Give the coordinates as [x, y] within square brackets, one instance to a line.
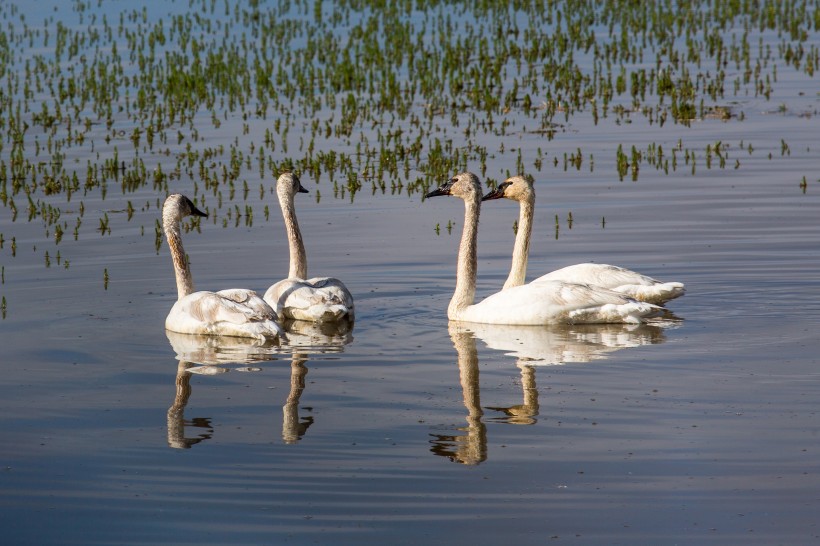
[547, 302]
[320, 299]
[234, 312]
[635, 285]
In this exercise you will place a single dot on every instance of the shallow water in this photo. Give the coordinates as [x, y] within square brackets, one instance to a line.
[704, 432]
[407, 429]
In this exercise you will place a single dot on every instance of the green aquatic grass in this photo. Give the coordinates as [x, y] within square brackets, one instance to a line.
[99, 98]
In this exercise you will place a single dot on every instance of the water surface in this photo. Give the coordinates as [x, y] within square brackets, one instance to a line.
[407, 429]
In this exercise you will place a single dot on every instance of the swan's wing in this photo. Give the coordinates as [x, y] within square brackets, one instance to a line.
[608, 276]
[317, 299]
[211, 313]
[548, 302]
[334, 289]
[276, 295]
[249, 299]
[626, 281]
[569, 295]
[227, 306]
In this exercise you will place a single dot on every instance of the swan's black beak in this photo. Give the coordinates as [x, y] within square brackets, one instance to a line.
[440, 191]
[298, 183]
[444, 189]
[497, 193]
[195, 211]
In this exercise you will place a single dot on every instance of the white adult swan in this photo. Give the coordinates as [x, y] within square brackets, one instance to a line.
[536, 303]
[234, 312]
[318, 299]
[635, 285]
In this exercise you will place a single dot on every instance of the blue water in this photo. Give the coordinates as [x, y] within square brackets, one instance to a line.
[407, 429]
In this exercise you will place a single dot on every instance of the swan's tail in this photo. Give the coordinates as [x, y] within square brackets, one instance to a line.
[658, 293]
[262, 330]
[632, 312]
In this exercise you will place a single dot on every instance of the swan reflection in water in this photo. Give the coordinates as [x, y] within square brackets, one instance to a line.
[207, 355]
[471, 446]
[566, 343]
[532, 346]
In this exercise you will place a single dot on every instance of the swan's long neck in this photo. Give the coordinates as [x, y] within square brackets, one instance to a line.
[521, 250]
[185, 282]
[298, 257]
[464, 294]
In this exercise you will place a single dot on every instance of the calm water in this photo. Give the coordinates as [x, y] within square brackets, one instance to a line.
[410, 430]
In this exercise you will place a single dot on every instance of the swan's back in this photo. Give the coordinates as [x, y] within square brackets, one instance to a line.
[625, 281]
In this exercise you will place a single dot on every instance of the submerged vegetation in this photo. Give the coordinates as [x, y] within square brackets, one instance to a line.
[99, 97]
